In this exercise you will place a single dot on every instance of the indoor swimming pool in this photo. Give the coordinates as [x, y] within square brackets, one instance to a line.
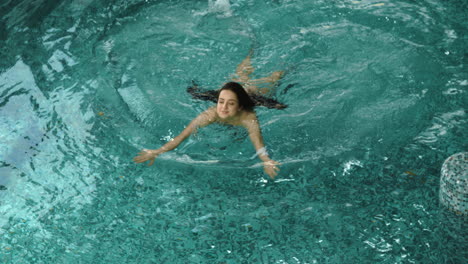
[376, 94]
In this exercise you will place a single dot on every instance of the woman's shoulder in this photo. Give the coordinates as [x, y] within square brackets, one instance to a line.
[249, 118]
[210, 114]
[205, 118]
[250, 115]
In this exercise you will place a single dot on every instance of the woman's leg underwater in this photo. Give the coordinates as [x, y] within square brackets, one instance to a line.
[245, 69]
[243, 72]
[270, 81]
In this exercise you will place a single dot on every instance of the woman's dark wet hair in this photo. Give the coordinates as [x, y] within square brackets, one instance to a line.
[244, 99]
[253, 100]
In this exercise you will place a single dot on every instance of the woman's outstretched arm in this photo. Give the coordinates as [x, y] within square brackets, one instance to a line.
[269, 165]
[201, 120]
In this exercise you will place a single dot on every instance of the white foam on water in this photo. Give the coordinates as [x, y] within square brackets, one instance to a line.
[221, 7]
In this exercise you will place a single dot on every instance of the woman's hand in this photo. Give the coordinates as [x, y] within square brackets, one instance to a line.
[145, 155]
[270, 168]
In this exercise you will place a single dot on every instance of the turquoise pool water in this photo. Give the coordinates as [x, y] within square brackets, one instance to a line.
[377, 100]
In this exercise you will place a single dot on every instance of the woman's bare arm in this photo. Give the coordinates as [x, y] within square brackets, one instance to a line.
[204, 119]
[253, 127]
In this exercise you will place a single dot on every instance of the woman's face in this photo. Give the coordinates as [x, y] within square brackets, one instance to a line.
[228, 104]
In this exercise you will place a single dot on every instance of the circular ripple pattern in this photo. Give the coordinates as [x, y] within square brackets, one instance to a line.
[377, 101]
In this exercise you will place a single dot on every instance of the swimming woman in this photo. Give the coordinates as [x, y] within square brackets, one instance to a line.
[234, 107]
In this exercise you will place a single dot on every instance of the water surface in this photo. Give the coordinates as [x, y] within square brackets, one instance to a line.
[377, 100]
